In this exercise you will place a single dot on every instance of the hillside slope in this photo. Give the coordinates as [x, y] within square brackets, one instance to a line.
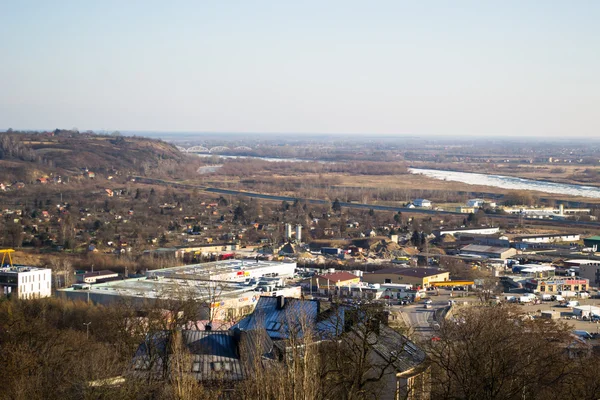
[26, 156]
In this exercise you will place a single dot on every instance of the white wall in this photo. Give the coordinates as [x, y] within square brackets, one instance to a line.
[35, 284]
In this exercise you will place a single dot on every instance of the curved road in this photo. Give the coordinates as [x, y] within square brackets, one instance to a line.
[375, 207]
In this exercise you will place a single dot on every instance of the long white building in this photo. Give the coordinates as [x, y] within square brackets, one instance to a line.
[223, 289]
[25, 282]
[228, 270]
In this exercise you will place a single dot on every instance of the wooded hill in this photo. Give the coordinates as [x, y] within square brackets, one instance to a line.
[27, 156]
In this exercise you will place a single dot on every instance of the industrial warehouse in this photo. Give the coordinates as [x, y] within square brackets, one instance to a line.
[226, 289]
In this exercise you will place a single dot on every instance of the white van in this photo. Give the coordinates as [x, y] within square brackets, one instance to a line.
[573, 303]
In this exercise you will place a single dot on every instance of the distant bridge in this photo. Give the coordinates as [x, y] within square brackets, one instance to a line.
[219, 149]
[212, 150]
[197, 149]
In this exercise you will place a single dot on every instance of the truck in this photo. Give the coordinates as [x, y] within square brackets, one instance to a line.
[568, 293]
[525, 299]
[546, 297]
[573, 303]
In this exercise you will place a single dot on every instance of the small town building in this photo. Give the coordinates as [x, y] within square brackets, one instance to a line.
[424, 203]
[96, 276]
[588, 269]
[335, 279]
[25, 282]
[465, 210]
[220, 358]
[417, 277]
[548, 238]
[475, 203]
[592, 241]
[488, 251]
[476, 231]
[555, 285]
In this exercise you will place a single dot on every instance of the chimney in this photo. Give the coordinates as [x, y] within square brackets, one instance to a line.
[208, 327]
[298, 233]
[288, 231]
[280, 302]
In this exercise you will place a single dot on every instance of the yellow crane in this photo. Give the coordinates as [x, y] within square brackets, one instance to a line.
[6, 253]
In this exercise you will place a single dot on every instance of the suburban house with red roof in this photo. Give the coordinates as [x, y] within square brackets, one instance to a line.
[340, 278]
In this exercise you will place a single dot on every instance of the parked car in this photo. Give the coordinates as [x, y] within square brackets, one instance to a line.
[583, 334]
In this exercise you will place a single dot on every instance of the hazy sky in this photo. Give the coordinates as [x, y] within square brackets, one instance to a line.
[383, 67]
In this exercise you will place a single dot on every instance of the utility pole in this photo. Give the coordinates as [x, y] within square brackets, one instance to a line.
[87, 329]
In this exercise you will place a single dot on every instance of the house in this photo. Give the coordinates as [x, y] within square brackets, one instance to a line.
[488, 251]
[341, 278]
[222, 358]
[465, 210]
[406, 370]
[286, 317]
[90, 174]
[96, 276]
[475, 203]
[288, 250]
[418, 277]
[42, 180]
[109, 192]
[424, 203]
[395, 368]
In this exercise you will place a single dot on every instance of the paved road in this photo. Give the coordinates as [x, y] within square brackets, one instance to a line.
[353, 205]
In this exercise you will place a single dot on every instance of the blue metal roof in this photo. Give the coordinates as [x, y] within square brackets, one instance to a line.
[289, 321]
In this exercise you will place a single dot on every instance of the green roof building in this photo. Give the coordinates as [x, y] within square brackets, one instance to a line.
[592, 241]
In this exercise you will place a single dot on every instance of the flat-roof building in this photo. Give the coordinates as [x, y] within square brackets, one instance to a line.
[25, 282]
[224, 290]
[476, 231]
[488, 251]
[412, 276]
[592, 241]
[548, 238]
[95, 276]
[228, 270]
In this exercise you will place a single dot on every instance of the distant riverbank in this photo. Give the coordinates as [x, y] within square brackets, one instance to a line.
[510, 182]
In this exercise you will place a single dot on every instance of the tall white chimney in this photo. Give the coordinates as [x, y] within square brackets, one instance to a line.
[288, 231]
[299, 233]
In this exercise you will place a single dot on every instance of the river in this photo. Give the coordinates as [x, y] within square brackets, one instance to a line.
[270, 159]
[510, 182]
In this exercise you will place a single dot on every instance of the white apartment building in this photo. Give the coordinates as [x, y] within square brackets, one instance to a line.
[25, 282]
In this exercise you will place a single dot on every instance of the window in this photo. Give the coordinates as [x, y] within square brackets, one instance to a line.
[141, 364]
[387, 280]
[196, 366]
[273, 326]
[221, 366]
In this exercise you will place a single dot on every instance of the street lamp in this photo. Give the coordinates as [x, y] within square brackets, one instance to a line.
[87, 329]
